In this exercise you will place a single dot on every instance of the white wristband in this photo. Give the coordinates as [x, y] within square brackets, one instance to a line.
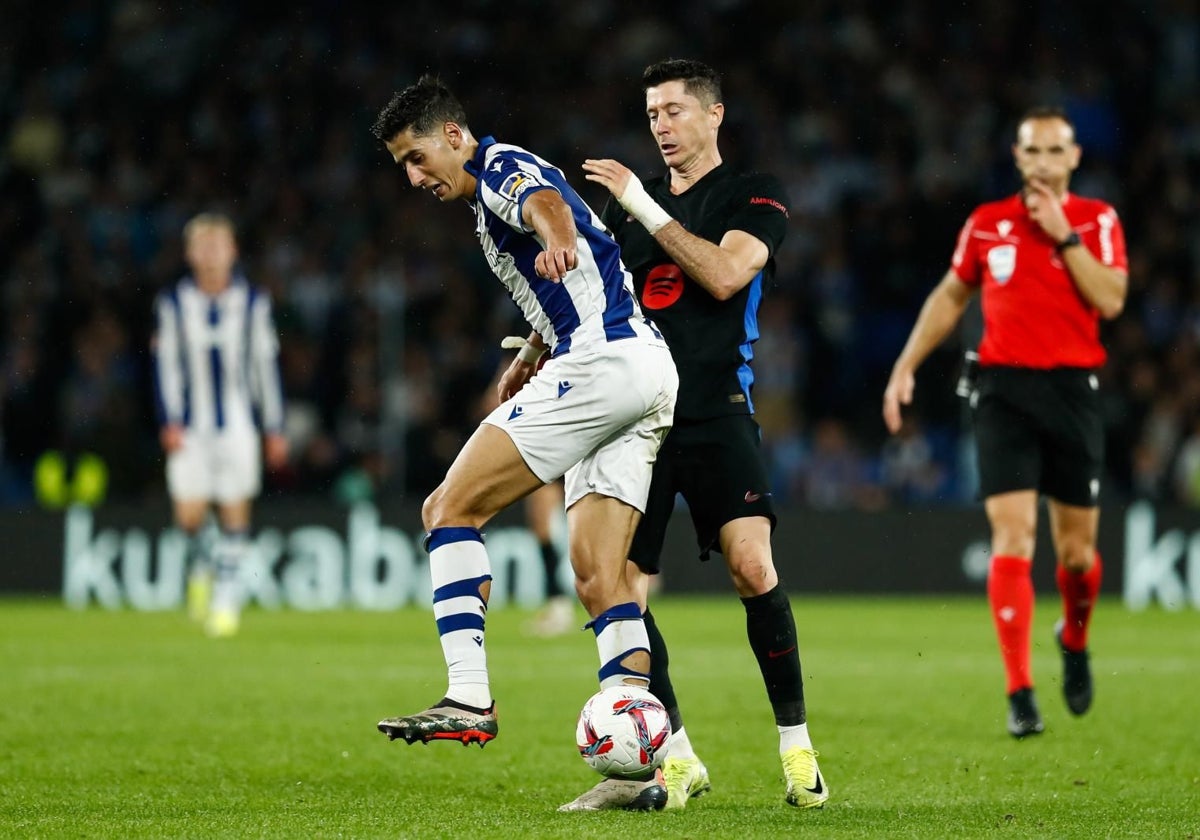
[530, 354]
[526, 352]
[638, 203]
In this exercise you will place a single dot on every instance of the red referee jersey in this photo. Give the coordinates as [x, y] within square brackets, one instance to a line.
[1033, 314]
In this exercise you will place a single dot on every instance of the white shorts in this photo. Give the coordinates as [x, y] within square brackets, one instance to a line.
[223, 468]
[597, 418]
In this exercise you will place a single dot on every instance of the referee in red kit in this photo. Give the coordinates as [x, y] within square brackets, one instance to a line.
[1050, 264]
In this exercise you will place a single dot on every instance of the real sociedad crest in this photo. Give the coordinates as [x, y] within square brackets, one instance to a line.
[1001, 261]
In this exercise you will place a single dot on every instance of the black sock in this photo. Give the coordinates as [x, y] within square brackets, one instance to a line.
[550, 564]
[772, 633]
[660, 676]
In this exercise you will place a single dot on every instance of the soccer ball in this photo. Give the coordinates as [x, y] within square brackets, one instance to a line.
[622, 732]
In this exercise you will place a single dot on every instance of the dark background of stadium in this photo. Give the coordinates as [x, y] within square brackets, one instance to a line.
[888, 123]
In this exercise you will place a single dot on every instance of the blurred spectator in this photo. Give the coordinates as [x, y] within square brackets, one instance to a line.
[120, 119]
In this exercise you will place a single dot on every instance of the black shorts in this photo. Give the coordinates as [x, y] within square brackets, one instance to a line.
[717, 466]
[1040, 430]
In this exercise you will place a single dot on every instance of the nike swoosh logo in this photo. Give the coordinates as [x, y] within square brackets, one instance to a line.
[819, 786]
[754, 497]
[775, 654]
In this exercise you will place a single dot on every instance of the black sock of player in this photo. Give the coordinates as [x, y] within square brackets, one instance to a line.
[772, 633]
[660, 676]
[550, 564]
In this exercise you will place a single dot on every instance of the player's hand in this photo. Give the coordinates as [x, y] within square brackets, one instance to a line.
[275, 449]
[554, 263]
[1046, 210]
[611, 174]
[171, 437]
[514, 379]
[899, 392]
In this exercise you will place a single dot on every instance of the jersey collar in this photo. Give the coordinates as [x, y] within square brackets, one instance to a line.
[475, 165]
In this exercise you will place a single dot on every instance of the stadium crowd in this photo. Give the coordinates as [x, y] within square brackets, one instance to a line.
[121, 119]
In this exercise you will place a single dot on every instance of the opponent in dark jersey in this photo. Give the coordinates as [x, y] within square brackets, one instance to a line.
[711, 339]
[700, 243]
[1050, 265]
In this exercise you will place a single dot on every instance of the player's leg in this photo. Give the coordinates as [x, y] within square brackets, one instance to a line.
[1078, 575]
[229, 551]
[542, 508]
[488, 475]
[190, 484]
[1013, 520]
[606, 494]
[601, 528]
[724, 481]
[644, 552]
[236, 458]
[771, 630]
[684, 774]
[191, 517]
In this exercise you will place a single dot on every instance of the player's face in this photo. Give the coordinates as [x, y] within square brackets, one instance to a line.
[433, 161]
[683, 127]
[1045, 151]
[211, 252]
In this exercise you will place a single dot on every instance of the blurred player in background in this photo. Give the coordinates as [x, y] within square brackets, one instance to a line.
[542, 509]
[597, 411]
[1050, 264]
[700, 242]
[217, 377]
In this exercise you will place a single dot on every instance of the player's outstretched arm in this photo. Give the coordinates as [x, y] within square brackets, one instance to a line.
[941, 312]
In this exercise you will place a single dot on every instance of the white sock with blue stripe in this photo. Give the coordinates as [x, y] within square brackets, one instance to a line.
[620, 632]
[458, 564]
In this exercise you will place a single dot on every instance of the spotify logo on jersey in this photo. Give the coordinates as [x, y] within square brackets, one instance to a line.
[664, 285]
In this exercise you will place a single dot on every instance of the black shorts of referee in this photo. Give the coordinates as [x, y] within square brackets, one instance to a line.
[1039, 430]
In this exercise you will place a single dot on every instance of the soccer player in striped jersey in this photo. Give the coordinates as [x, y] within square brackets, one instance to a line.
[596, 412]
[216, 380]
[1049, 265]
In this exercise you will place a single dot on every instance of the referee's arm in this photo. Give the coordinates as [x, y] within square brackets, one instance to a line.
[941, 312]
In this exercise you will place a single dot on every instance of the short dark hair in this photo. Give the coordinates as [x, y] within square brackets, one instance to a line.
[422, 106]
[1046, 112]
[699, 80]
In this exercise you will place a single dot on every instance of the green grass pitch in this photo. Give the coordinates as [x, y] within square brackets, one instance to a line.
[135, 725]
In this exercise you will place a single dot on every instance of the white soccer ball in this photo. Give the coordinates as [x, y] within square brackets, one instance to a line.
[622, 732]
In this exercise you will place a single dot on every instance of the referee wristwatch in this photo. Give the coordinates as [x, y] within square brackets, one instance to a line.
[1071, 241]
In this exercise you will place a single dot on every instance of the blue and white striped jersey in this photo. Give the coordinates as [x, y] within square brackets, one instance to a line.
[216, 359]
[595, 302]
